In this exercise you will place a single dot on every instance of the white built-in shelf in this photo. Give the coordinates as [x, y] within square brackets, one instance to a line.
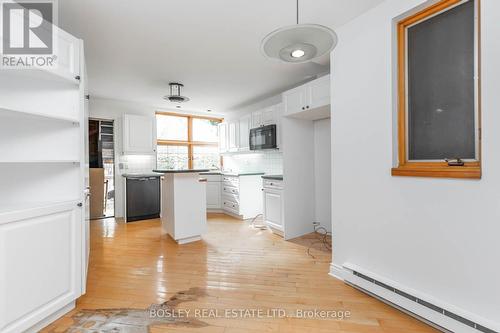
[21, 211]
[40, 162]
[37, 115]
[39, 75]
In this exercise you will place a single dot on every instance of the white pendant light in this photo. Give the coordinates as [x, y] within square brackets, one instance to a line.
[299, 43]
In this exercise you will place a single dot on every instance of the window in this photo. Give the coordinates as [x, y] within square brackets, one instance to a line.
[187, 142]
[438, 92]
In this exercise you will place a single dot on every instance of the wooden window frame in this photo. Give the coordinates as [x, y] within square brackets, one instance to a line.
[436, 169]
[189, 143]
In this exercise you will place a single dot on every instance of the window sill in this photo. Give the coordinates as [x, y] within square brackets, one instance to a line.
[438, 171]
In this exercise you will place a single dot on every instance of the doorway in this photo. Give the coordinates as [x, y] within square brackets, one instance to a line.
[102, 168]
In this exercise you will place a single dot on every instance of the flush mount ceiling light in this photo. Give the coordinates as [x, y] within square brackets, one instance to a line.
[299, 43]
[175, 93]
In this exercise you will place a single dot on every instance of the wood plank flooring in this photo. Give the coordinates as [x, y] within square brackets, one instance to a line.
[235, 267]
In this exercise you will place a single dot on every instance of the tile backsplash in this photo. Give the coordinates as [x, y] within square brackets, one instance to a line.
[270, 162]
[137, 163]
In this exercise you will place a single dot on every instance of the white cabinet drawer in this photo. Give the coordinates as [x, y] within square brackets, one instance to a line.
[211, 178]
[231, 206]
[231, 181]
[230, 190]
[230, 197]
[273, 184]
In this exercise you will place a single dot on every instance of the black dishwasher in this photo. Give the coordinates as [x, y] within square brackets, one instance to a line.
[143, 198]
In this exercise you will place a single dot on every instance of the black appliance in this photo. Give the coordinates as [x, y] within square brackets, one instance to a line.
[143, 198]
[263, 138]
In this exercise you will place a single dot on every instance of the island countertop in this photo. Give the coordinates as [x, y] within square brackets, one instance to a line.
[182, 171]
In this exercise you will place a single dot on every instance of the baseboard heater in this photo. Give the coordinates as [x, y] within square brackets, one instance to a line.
[415, 299]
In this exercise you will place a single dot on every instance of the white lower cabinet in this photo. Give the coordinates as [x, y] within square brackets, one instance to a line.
[241, 196]
[40, 264]
[214, 195]
[273, 204]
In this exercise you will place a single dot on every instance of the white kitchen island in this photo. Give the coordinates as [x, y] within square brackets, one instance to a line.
[183, 205]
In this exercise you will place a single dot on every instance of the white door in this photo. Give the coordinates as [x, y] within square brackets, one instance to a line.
[244, 134]
[273, 201]
[256, 119]
[269, 116]
[40, 264]
[138, 134]
[295, 100]
[233, 136]
[214, 195]
[279, 110]
[68, 60]
[223, 138]
[319, 92]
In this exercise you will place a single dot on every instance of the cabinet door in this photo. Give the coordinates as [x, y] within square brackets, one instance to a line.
[138, 134]
[214, 195]
[68, 55]
[41, 263]
[295, 100]
[233, 136]
[223, 138]
[273, 201]
[269, 116]
[256, 119]
[279, 111]
[319, 93]
[244, 133]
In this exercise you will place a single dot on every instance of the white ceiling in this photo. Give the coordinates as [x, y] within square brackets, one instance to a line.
[134, 48]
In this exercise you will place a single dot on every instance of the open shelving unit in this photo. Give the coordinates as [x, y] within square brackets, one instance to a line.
[43, 172]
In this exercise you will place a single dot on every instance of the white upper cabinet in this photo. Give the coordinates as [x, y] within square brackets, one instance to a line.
[309, 101]
[267, 116]
[244, 134]
[319, 92]
[68, 56]
[256, 119]
[138, 134]
[233, 135]
[223, 144]
[295, 100]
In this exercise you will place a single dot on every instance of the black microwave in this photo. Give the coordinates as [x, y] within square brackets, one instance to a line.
[263, 138]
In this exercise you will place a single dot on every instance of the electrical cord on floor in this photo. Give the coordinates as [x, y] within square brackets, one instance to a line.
[258, 226]
[324, 239]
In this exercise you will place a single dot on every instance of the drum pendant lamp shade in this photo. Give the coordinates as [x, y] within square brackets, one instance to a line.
[299, 43]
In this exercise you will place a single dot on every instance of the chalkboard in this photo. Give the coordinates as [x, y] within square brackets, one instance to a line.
[441, 86]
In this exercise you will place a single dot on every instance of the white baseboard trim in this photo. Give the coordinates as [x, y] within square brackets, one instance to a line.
[215, 211]
[424, 313]
[52, 318]
[336, 271]
[188, 240]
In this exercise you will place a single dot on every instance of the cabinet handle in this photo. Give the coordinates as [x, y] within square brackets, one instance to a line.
[303, 108]
[271, 184]
[307, 107]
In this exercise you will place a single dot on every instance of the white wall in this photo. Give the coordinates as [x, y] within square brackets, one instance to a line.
[438, 237]
[322, 173]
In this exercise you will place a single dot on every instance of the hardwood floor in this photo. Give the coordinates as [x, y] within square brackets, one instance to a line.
[234, 267]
